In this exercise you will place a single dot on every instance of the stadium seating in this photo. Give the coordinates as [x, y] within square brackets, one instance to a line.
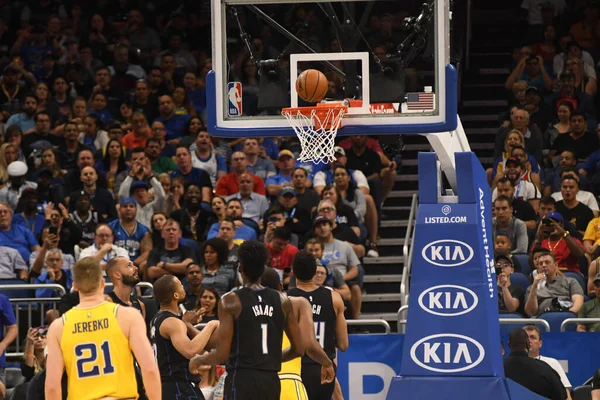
[520, 280]
[555, 319]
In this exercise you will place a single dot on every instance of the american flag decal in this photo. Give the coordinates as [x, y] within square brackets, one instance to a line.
[421, 101]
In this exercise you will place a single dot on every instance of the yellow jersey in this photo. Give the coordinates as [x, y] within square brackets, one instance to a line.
[291, 367]
[98, 359]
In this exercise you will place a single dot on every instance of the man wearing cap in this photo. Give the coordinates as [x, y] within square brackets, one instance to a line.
[25, 119]
[324, 177]
[28, 214]
[298, 219]
[285, 163]
[340, 256]
[591, 309]
[549, 287]
[533, 374]
[254, 204]
[229, 184]
[17, 183]
[510, 297]
[580, 140]
[552, 235]
[128, 233]
[524, 190]
[138, 190]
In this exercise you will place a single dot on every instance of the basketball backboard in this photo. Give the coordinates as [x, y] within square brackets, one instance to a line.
[393, 56]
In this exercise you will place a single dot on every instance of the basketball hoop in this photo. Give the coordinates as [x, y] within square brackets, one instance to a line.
[316, 128]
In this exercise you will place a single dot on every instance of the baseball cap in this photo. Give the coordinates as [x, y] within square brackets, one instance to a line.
[17, 168]
[596, 278]
[339, 150]
[286, 153]
[321, 219]
[138, 185]
[287, 190]
[513, 160]
[127, 200]
[555, 216]
[532, 89]
[504, 257]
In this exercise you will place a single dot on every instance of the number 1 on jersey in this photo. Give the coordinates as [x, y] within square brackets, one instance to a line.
[265, 348]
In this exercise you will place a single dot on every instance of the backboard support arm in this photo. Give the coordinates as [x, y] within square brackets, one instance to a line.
[445, 144]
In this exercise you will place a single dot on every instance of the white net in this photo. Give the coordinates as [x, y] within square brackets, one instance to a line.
[316, 128]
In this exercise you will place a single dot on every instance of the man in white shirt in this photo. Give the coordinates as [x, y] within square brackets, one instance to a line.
[535, 344]
[103, 249]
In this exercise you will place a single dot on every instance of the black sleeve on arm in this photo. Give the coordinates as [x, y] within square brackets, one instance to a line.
[153, 258]
[205, 180]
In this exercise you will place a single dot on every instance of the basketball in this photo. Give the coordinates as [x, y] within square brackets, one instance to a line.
[311, 85]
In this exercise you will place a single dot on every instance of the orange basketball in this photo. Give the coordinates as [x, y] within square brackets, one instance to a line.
[311, 85]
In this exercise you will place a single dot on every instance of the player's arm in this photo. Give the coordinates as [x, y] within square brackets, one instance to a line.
[313, 349]
[341, 328]
[230, 308]
[53, 386]
[140, 346]
[292, 331]
[176, 331]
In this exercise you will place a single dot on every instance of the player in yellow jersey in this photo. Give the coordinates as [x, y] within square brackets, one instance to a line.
[292, 387]
[94, 342]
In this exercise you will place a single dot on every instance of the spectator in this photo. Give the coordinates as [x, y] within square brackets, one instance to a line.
[580, 141]
[143, 102]
[502, 246]
[160, 164]
[192, 217]
[234, 211]
[113, 162]
[57, 220]
[585, 197]
[531, 70]
[140, 133]
[93, 136]
[229, 184]
[551, 235]
[208, 306]
[591, 308]
[193, 285]
[514, 143]
[85, 219]
[218, 273]
[254, 205]
[325, 177]
[227, 230]
[192, 175]
[510, 297]
[70, 148]
[551, 291]
[102, 201]
[15, 236]
[341, 230]
[85, 158]
[37, 260]
[204, 158]
[55, 274]
[17, 184]
[281, 253]
[523, 189]
[505, 223]
[25, 119]
[8, 332]
[174, 124]
[11, 97]
[559, 59]
[129, 234]
[532, 136]
[103, 250]
[572, 209]
[325, 276]
[539, 112]
[172, 257]
[562, 126]
[581, 101]
[285, 163]
[554, 179]
[535, 344]
[34, 360]
[8, 154]
[548, 205]
[341, 256]
[113, 93]
[138, 190]
[521, 208]
[138, 157]
[298, 220]
[307, 198]
[28, 215]
[587, 31]
[258, 164]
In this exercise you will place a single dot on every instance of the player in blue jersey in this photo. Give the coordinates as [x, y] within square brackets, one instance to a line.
[130, 234]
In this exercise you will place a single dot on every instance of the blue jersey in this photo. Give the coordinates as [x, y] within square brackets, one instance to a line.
[129, 242]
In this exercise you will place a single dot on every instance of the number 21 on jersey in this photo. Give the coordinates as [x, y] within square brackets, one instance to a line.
[88, 363]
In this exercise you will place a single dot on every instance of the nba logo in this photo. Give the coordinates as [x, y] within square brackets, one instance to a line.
[234, 92]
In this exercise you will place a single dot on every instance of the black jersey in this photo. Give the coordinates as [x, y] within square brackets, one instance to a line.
[135, 303]
[324, 317]
[258, 331]
[173, 366]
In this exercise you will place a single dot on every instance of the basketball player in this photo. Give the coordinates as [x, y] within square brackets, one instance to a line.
[329, 323]
[249, 339]
[94, 342]
[124, 276]
[290, 373]
[172, 344]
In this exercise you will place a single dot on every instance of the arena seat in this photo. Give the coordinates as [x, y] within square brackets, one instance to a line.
[520, 280]
[578, 276]
[14, 377]
[524, 261]
[555, 319]
[582, 393]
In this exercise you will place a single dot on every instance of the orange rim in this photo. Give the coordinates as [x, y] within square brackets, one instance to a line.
[321, 111]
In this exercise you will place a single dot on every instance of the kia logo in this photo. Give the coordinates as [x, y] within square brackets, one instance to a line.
[447, 353]
[448, 300]
[447, 253]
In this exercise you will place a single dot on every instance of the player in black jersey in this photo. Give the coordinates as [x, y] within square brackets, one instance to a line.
[329, 323]
[171, 342]
[252, 320]
[124, 276]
